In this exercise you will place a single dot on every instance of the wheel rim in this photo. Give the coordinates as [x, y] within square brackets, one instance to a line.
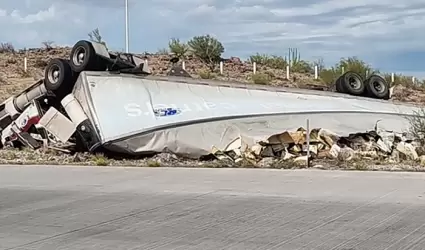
[378, 86]
[79, 56]
[354, 82]
[53, 74]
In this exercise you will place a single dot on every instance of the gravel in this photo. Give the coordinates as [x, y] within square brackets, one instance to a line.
[26, 156]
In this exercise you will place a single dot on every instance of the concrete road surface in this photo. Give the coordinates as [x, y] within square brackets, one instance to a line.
[141, 208]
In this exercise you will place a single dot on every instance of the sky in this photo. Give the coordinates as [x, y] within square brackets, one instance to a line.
[388, 34]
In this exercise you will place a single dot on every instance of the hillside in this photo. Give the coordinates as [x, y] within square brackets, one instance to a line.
[14, 79]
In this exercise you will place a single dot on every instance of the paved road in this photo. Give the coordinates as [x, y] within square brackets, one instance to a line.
[134, 208]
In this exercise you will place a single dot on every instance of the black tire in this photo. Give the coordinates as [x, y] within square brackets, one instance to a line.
[352, 83]
[84, 57]
[339, 86]
[58, 77]
[377, 87]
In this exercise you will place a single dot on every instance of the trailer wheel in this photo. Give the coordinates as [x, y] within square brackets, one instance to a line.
[377, 87]
[353, 83]
[83, 57]
[339, 85]
[58, 76]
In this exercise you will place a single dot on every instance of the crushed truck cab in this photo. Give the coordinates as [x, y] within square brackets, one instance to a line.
[49, 103]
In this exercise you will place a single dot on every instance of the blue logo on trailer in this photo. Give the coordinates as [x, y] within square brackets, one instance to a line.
[166, 111]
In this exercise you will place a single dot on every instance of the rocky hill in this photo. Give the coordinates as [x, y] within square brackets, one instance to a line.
[14, 79]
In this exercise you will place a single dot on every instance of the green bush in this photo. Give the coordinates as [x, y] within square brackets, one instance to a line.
[400, 79]
[356, 65]
[179, 49]
[271, 61]
[205, 74]
[302, 67]
[261, 78]
[208, 49]
[329, 75]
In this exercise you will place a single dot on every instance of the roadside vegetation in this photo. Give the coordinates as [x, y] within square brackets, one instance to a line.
[209, 50]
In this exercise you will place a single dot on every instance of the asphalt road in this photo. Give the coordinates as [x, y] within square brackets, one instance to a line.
[145, 208]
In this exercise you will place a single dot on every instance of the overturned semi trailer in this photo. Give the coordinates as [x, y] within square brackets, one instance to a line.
[138, 115]
[109, 101]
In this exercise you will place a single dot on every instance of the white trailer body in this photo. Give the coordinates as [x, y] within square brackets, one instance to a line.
[139, 115]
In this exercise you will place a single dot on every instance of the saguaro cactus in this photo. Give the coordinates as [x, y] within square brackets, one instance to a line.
[294, 56]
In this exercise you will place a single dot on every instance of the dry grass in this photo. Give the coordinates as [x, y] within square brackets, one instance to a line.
[52, 157]
[14, 79]
[14, 86]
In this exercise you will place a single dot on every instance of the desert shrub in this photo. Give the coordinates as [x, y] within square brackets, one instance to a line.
[400, 79]
[100, 160]
[95, 36]
[208, 49]
[179, 49]
[296, 64]
[279, 62]
[417, 125]
[302, 66]
[329, 75]
[206, 74]
[6, 48]
[48, 45]
[271, 61]
[261, 78]
[356, 65]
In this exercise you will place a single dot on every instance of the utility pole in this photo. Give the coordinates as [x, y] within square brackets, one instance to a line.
[126, 27]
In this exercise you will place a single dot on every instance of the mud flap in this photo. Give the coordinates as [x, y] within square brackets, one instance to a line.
[27, 140]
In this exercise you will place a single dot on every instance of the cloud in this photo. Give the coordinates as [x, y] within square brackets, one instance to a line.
[41, 16]
[386, 33]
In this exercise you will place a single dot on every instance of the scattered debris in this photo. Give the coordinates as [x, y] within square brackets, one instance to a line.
[292, 146]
